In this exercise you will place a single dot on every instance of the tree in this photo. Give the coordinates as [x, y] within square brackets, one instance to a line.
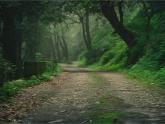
[82, 11]
[12, 14]
[65, 47]
[54, 56]
[108, 10]
[148, 14]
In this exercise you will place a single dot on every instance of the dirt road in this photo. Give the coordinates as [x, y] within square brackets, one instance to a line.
[81, 96]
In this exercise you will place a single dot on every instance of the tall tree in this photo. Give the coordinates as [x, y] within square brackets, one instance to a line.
[65, 47]
[82, 10]
[84, 20]
[88, 35]
[12, 15]
[54, 56]
[108, 10]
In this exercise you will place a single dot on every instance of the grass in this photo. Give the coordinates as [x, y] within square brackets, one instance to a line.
[105, 118]
[150, 49]
[145, 76]
[140, 71]
[151, 78]
[11, 88]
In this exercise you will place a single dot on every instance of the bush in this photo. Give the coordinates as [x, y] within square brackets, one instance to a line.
[146, 60]
[111, 60]
[151, 77]
[160, 77]
[106, 57]
[52, 67]
[151, 67]
[11, 88]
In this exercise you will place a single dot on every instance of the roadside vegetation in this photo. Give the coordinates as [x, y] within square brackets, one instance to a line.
[11, 88]
[106, 35]
[145, 61]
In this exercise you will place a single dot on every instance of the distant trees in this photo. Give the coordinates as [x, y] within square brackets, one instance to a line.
[108, 9]
[84, 20]
[60, 51]
[113, 11]
[21, 25]
[12, 15]
[82, 11]
[64, 46]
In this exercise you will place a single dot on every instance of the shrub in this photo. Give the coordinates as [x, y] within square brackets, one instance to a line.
[160, 77]
[12, 87]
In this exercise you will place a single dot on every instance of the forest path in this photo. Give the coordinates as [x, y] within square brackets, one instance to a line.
[88, 97]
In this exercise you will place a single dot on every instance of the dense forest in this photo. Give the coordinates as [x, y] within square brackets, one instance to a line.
[110, 35]
[121, 36]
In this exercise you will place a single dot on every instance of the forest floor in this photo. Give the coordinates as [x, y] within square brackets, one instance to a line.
[81, 96]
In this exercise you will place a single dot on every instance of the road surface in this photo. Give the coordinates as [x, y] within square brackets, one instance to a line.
[79, 96]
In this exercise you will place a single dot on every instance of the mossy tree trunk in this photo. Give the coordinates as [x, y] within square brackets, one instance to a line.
[108, 10]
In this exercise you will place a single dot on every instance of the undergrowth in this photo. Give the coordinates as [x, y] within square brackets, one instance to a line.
[150, 50]
[11, 88]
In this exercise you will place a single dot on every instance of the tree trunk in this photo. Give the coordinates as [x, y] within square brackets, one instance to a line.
[88, 36]
[62, 51]
[87, 43]
[53, 44]
[149, 15]
[108, 11]
[53, 48]
[57, 45]
[65, 47]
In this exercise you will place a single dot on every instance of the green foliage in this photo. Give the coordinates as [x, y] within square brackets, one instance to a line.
[150, 68]
[82, 59]
[12, 87]
[45, 76]
[53, 68]
[155, 78]
[105, 118]
[148, 55]
[106, 57]
[160, 77]
[112, 60]
[108, 50]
